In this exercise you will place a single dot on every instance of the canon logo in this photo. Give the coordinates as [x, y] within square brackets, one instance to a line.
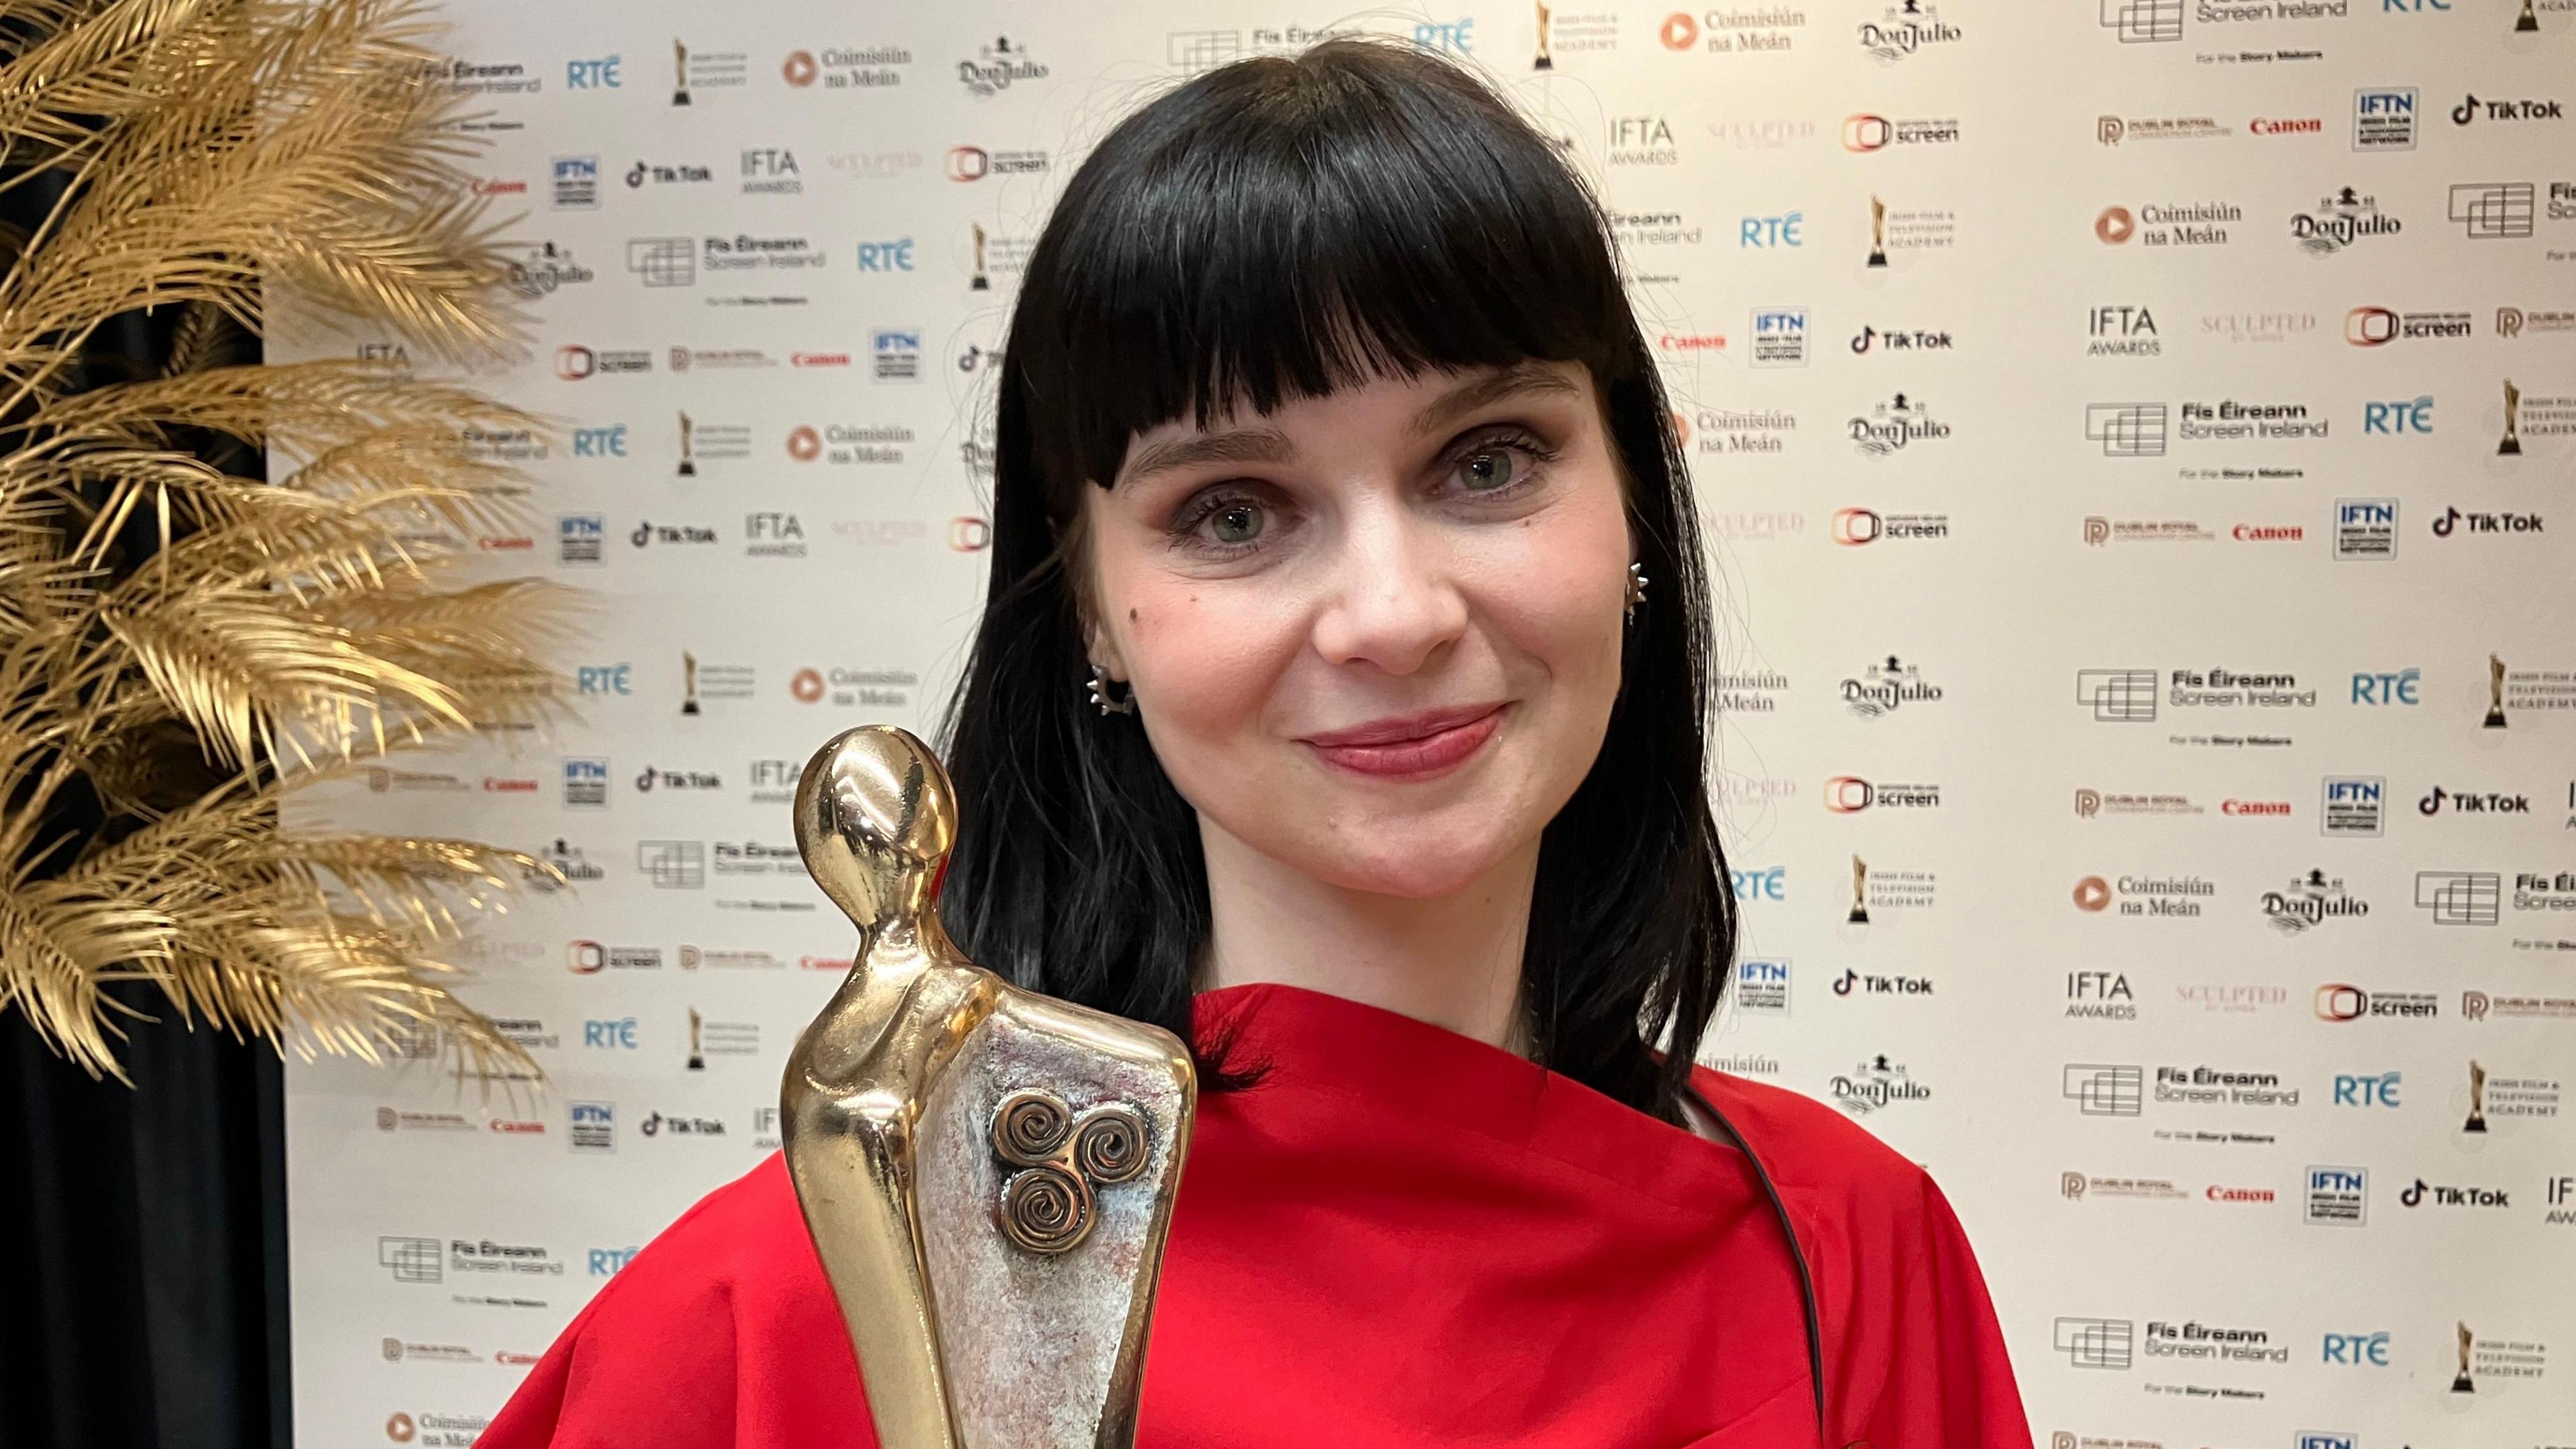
[818, 359]
[2298, 126]
[2240, 1194]
[2254, 807]
[2267, 533]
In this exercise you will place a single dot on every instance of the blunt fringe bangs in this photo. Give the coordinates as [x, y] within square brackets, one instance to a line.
[1282, 228]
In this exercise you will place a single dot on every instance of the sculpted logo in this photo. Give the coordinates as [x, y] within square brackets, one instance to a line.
[1876, 1084]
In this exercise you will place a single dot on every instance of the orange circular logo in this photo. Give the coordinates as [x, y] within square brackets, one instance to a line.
[1680, 31]
[2092, 893]
[800, 68]
[807, 685]
[399, 1429]
[804, 444]
[2115, 226]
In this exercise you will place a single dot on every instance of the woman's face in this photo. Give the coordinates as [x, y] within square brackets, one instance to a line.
[1374, 636]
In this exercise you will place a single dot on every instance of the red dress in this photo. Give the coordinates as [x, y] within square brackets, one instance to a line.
[1402, 1237]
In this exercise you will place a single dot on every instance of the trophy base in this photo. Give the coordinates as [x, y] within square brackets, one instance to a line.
[697, 1064]
[2495, 719]
[2509, 448]
[2461, 1385]
[1878, 259]
[689, 708]
[679, 98]
[2526, 23]
[688, 470]
[1858, 917]
[1543, 63]
[980, 284]
[2475, 1124]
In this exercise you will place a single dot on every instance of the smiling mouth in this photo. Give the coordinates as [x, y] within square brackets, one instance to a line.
[1410, 747]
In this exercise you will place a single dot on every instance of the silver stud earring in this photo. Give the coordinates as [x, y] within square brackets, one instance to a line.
[1098, 688]
[1636, 589]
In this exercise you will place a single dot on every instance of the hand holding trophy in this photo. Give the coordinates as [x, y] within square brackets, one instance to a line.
[988, 1174]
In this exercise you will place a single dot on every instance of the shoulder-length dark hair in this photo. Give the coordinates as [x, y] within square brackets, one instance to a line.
[1284, 227]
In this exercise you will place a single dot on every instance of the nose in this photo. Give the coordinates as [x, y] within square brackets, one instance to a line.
[1394, 602]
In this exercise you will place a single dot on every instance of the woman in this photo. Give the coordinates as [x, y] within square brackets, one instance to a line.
[1337, 704]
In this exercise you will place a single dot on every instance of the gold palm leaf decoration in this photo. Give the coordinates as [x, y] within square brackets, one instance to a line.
[183, 643]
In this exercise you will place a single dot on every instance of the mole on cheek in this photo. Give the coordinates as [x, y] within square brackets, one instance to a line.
[1131, 616]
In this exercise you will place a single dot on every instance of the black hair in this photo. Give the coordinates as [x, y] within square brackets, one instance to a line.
[1283, 227]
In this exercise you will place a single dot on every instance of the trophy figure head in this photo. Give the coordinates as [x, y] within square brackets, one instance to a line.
[875, 816]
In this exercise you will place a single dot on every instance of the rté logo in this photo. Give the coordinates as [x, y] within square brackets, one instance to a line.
[2368, 1090]
[2403, 416]
[2397, 688]
[2361, 1350]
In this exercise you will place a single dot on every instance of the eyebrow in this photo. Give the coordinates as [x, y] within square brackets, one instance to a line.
[1269, 445]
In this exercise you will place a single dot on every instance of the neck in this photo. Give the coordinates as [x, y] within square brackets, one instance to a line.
[1452, 960]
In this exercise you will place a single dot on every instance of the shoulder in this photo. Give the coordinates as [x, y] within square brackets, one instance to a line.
[1855, 1199]
[740, 1260]
[1807, 1147]
[727, 1305]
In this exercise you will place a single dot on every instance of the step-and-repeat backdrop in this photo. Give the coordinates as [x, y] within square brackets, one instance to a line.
[2136, 441]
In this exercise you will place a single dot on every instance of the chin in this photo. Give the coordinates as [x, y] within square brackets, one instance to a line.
[1409, 865]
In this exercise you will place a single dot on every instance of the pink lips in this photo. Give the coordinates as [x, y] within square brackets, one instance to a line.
[1413, 746]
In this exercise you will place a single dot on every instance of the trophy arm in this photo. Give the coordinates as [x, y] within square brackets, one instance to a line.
[853, 1098]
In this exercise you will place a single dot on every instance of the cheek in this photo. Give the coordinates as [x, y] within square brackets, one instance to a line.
[1202, 657]
[1555, 590]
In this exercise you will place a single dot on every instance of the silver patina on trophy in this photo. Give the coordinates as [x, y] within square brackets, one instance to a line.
[988, 1173]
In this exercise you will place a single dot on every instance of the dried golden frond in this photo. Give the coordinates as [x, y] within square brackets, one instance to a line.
[180, 644]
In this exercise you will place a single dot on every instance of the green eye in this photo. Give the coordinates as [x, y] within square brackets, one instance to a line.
[1486, 471]
[1236, 523]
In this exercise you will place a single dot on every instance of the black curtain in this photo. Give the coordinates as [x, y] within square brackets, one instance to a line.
[142, 1229]
[143, 1244]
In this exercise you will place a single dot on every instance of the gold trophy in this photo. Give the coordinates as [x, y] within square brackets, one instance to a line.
[2495, 692]
[2526, 22]
[689, 682]
[697, 1041]
[988, 1173]
[2511, 447]
[979, 282]
[679, 72]
[1544, 61]
[1877, 232]
[2477, 1099]
[1860, 893]
[2463, 1384]
[688, 454]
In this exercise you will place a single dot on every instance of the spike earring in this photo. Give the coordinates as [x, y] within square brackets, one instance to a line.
[1636, 589]
[1100, 699]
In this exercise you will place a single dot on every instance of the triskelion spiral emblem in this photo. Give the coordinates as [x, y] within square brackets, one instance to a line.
[1046, 1205]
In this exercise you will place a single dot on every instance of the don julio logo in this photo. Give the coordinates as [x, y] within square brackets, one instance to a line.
[1876, 1084]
